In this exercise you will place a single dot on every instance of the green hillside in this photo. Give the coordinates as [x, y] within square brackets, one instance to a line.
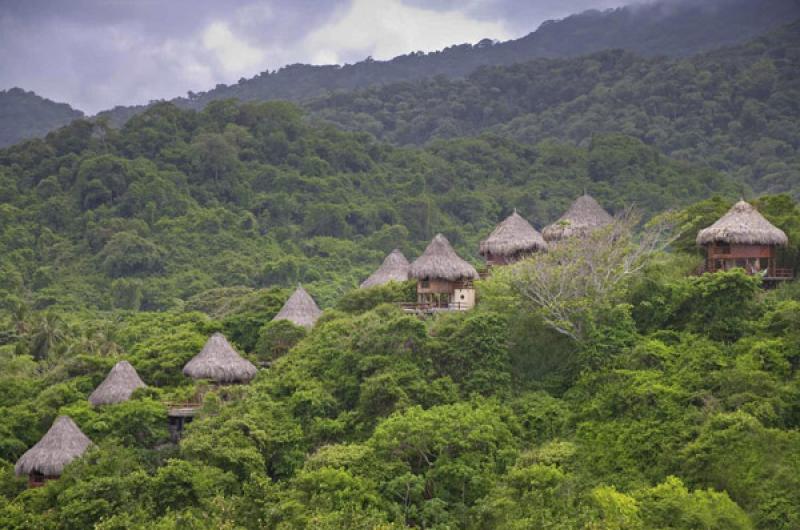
[601, 385]
[673, 28]
[733, 109]
[179, 202]
[672, 403]
[25, 115]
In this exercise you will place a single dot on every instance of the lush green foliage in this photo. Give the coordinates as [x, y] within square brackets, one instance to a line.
[683, 415]
[677, 406]
[25, 115]
[179, 203]
[654, 29]
[732, 109]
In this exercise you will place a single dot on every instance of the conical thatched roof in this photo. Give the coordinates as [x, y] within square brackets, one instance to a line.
[62, 444]
[300, 309]
[440, 261]
[394, 269]
[513, 235]
[742, 225]
[584, 215]
[219, 362]
[118, 385]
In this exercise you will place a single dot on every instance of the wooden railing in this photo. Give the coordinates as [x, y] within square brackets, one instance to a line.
[430, 308]
[782, 272]
[777, 273]
[182, 408]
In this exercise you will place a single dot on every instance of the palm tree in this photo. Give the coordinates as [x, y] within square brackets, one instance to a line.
[99, 340]
[19, 318]
[48, 333]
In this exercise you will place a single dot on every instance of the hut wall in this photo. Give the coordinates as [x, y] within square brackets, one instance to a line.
[441, 293]
[464, 299]
[741, 251]
[749, 257]
[435, 286]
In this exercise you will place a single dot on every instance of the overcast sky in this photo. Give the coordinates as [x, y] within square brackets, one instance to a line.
[95, 54]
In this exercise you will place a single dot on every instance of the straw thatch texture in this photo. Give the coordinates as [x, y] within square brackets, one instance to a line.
[742, 225]
[219, 362]
[62, 444]
[300, 309]
[394, 269]
[512, 236]
[118, 385]
[440, 261]
[583, 216]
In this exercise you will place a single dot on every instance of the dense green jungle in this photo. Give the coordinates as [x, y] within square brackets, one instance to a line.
[673, 404]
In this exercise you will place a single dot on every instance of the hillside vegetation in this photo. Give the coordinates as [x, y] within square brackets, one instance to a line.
[664, 28]
[675, 407]
[673, 28]
[179, 202]
[25, 115]
[734, 109]
[634, 394]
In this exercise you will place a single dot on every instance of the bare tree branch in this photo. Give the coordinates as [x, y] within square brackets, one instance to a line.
[578, 276]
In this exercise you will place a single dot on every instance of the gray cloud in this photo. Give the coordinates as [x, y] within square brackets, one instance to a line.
[95, 54]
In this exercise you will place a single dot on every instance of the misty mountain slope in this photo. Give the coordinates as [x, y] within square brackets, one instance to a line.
[670, 27]
[26, 115]
[734, 109]
[178, 201]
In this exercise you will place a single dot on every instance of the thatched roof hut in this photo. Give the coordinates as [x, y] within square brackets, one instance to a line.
[393, 269]
[118, 385]
[62, 444]
[583, 216]
[440, 261]
[742, 225]
[513, 236]
[219, 362]
[300, 309]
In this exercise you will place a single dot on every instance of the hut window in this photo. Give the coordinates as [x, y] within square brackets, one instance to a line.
[36, 478]
[425, 283]
[724, 249]
[462, 296]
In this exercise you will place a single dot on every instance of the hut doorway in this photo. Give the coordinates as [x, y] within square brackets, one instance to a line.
[177, 419]
[37, 479]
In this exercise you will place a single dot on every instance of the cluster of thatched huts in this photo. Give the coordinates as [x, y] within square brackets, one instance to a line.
[741, 238]
[445, 280]
[218, 361]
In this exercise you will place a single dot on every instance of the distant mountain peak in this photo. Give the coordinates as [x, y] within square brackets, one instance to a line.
[24, 114]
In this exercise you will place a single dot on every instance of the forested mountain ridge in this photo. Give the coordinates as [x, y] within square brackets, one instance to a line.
[734, 109]
[672, 402]
[672, 28]
[676, 406]
[178, 202]
[26, 115]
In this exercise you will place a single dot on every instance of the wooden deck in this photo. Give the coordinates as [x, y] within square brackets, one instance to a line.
[780, 274]
[429, 309]
[183, 410]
